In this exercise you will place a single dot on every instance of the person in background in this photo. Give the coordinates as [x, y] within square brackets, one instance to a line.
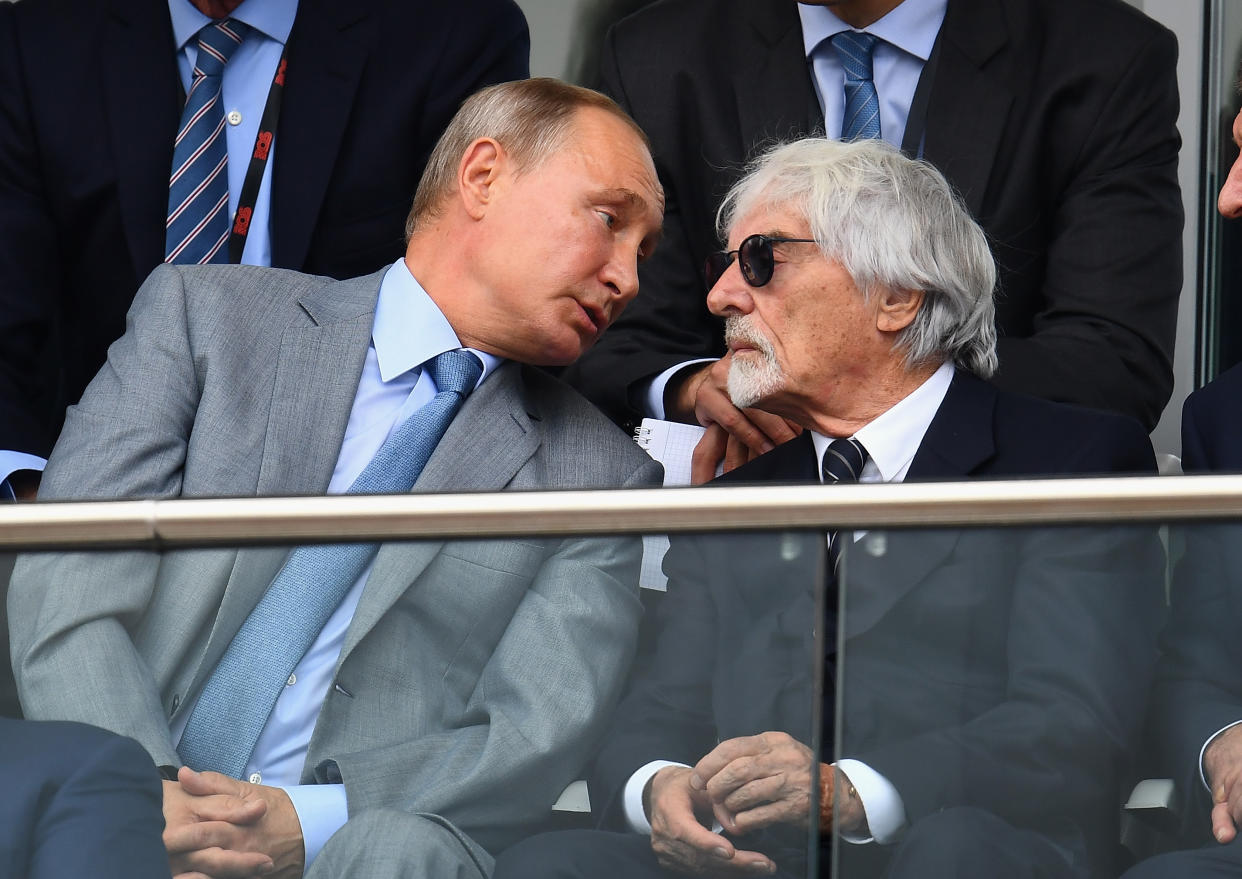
[401, 710]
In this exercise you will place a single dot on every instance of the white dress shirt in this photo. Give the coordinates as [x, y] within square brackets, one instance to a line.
[891, 441]
[409, 329]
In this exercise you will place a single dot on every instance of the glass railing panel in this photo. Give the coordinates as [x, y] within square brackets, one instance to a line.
[512, 687]
[990, 697]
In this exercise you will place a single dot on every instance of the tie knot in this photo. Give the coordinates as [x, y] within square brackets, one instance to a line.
[844, 460]
[216, 44]
[456, 371]
[855, 50]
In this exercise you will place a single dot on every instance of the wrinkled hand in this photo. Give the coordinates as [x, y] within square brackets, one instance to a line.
[680, 840]
[734, 435]
[219, 827]
[1222, 762]
[756, 781]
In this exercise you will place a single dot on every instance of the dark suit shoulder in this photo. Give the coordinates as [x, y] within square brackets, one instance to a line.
[1212, 425]
[1060, 438]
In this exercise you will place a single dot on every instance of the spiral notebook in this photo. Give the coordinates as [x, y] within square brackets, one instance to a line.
[671, 443]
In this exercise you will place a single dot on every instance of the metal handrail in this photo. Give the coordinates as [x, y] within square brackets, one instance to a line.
[161, 524]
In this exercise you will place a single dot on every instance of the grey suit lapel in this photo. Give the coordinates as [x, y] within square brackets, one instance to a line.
[496, 432]
[320, 362]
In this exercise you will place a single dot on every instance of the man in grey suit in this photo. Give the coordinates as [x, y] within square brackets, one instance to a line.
[457, 686]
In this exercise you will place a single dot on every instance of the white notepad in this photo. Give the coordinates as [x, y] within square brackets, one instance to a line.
[672, 444]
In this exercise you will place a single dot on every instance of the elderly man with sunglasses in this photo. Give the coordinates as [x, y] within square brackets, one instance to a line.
[994, 679]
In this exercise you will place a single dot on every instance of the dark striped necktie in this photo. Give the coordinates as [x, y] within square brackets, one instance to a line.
[197, 226]
[843, 464]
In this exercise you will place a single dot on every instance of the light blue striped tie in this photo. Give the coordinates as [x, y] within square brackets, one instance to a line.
[240, 694]
[197, 225]
[862, 105]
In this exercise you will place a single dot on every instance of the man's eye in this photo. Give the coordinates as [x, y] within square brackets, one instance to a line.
[609, 219]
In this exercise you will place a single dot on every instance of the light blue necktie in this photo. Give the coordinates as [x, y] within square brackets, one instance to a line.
[197, 225]
[240, 694]
[862, 104]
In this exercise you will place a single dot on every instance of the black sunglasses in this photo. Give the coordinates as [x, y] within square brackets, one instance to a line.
[755, 256]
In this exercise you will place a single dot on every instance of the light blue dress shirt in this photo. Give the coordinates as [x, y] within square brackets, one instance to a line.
[906, 37]
[245, 83]
[244, 87]
[409, 329]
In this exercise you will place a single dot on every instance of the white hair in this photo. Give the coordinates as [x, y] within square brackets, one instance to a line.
[893, 223]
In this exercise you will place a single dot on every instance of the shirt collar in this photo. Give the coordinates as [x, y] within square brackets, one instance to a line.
[410, 329]
[274, 18]
[893, 439]
[911, 27]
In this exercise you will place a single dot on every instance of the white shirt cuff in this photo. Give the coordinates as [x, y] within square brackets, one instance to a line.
[632, 796]
[1203, 750]
[885, 811]
[654, 395]
[10, 463]
[322, 809]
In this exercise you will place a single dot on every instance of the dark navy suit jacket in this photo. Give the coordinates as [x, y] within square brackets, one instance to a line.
[78, 801]
[1005, 669]
[1199, 678]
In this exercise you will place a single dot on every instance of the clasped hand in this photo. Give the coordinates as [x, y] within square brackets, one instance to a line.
[216, 827]
[746, 784]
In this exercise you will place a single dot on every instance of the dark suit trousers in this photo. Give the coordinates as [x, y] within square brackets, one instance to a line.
[1213, 861]
[958, 843]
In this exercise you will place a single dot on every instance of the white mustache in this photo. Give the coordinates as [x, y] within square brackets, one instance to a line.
[738, 328]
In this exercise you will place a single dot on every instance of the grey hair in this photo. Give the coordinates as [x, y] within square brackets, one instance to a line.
[891, 222]
[530, 118]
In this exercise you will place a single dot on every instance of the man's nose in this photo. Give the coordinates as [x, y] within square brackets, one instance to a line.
[730, 294]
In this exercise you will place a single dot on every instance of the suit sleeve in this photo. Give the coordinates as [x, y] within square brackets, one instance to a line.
[95, 807]
[1113, 267]
[1198, 691]
[72, 615]
[540, 705]
[29, 257]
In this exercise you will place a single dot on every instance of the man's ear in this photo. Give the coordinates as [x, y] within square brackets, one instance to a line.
[897, 309]
[481, 167]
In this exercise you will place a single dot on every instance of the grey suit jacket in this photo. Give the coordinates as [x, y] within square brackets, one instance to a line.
[475, 675]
